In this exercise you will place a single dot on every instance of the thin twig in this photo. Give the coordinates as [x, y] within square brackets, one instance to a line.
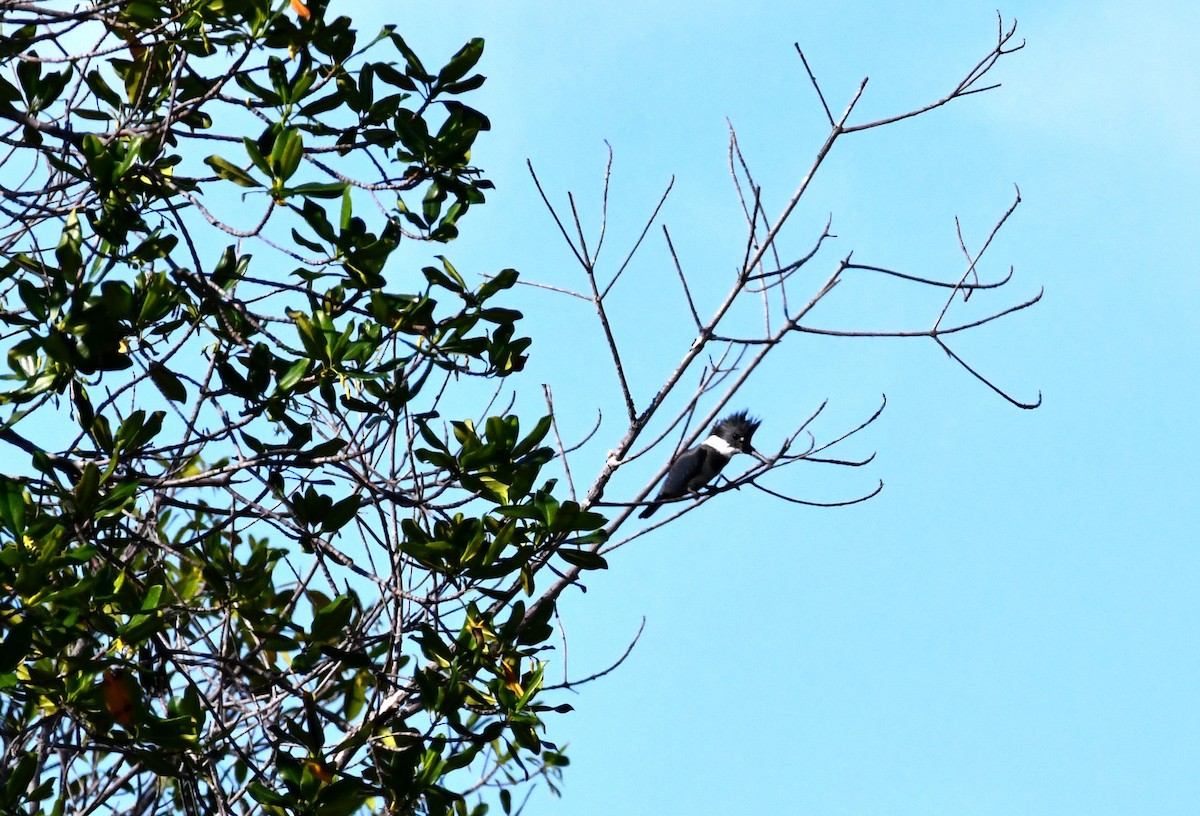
[628, 650]
[562, 451]
[816, 86]
[649, 222]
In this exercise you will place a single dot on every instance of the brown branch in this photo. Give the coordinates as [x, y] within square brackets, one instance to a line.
[649, 222]
[963, 88]
[811, 503]
[986, 381]
[816, 86]
[687, 292]
[562, 451]
[569, 684]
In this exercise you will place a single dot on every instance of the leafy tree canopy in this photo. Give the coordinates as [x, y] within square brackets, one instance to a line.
[226, 403]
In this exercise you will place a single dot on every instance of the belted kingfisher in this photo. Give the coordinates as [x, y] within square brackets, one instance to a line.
[698, 466]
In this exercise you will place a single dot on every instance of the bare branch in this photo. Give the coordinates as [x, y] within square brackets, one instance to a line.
[812, 503]
[554, 214]
[583, 250]
[987, 382]
[816, 85]
[687, 293]
[957, 285]
[974, 261]
[628, 651]
[562, 451]
[649, 222]
[963, 88]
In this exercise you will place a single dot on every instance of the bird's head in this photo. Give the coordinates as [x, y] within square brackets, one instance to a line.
[738, 430]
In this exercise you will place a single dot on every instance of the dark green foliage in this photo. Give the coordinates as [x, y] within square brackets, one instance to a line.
[242, 560]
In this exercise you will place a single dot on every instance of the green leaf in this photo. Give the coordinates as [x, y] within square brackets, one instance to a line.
[28, 74]
[231, 172]
[505, 279]
[468, 84]
[526, 445]
[294, 374]
[95, 81]
[153, 595]
[330, 621]
[256, 155]
[17, 643]
[249, 85]
[20, 775]
[265, 796]
[286, 154]
[117, 499]
[53, 85]
[170, 385]
[101, 433]
[340, 514]
[583, 559]
[462, 62]
[12, 506]
[366, 85]
[415, 69]
[68, 251]
[393, 77]
[315, 216]
[438, 278]
[323, 105]
[431, 204]
[137, 431]
[307, 244]
[330, 189]
[526, 737]
[278, 75]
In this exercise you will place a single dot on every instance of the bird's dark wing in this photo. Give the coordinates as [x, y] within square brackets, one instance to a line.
[708, 464]
[683, 470]
[692, 470]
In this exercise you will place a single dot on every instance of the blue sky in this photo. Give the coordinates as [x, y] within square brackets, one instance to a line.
[1011, 626]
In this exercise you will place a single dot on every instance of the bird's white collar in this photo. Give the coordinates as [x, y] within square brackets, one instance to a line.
[720, 445]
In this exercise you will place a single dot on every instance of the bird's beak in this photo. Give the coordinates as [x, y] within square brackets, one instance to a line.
[759, 456]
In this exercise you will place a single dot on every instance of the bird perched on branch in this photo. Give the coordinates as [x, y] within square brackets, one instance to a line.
[696, 467]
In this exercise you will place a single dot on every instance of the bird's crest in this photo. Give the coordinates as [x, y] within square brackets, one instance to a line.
[738, 428]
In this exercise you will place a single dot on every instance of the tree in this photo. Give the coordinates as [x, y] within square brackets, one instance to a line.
[254, 556]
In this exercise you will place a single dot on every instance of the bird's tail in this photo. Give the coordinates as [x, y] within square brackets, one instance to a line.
[648, 512]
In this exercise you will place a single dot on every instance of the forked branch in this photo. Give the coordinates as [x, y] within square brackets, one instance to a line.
[784, 316]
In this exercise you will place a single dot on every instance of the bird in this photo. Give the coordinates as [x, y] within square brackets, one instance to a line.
[696, 467]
